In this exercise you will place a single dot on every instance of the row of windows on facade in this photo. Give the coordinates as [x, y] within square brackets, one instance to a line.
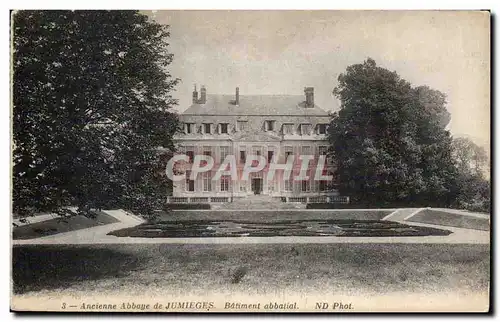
[269, 126]
[225, 184]
[224, 151]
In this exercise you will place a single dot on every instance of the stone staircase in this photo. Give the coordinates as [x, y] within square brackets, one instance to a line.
[258, 202]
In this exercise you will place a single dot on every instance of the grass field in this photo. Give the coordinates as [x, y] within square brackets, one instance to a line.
[60, 225]
[347, 269]
[253, 216]
[437, 217]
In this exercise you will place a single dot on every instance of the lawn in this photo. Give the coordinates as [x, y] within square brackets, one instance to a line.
[60, 225]
[262, 216]
[260, 269]
[437, 217]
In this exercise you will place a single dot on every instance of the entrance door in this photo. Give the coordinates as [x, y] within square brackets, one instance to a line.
[257, 185]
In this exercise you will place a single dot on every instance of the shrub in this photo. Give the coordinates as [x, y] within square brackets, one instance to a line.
[187, 206]
[325, 206]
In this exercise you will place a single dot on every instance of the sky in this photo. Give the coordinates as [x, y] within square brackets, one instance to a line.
[281, 52]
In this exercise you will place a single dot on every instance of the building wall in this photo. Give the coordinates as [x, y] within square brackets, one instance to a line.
[254, 136]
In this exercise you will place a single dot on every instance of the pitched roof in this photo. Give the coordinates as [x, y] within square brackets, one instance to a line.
[292, 105]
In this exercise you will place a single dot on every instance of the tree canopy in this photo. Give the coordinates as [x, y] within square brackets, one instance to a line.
[91, 100]
[389, 140]
[473, 175]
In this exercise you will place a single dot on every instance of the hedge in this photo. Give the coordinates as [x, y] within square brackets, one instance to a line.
[187, 206]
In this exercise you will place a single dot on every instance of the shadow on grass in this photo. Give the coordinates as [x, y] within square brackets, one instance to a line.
[61, 225]
[36, 268]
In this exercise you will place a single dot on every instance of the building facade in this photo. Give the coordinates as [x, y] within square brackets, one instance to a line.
[272, 126]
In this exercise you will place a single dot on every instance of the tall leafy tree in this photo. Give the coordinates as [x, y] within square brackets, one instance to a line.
[91, 100]
[473, 175]
[470, 157]
[389, 139]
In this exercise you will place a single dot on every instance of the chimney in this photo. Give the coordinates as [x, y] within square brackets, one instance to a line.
[237, 99]
[203, 95]
[309, 91]
[195, 95]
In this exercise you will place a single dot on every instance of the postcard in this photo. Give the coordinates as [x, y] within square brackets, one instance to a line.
[250, 161]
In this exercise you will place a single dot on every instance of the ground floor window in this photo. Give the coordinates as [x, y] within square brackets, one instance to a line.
[207, 181]
[288, 185]
[224, 183]
[189, 182]
[305, 186]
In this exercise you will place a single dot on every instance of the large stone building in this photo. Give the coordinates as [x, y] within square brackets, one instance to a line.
[272, 126]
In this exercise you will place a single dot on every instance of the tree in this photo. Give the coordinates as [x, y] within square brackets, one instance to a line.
[389, 140]
[474, 187]
[91, 100]
[470, 157]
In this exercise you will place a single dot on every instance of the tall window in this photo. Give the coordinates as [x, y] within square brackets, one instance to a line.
[224, 152]
[242, 125]
[257, 150]
[207, 128]
[269, 125]
[243, 156]
[189, 182]
[305, 186]
[270, 155]
[207, 181]
[322, 149]
[190, 153]
[288, 128]
[323, 185]
[224, 183]
[207, 150]
[288, 185]
[223, 128]
[305, 129]
[321, 128]
[306, 150]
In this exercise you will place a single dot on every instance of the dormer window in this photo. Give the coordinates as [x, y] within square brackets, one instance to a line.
[207, 128]
[223, 127]
[288, 128]
[322, 128]
[269, 125]
[189, 128]
[305, 129]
